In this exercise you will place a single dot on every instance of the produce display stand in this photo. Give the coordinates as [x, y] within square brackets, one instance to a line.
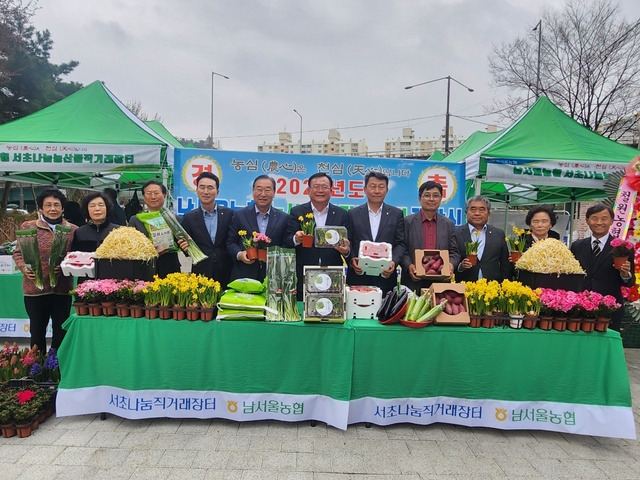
[360, 371]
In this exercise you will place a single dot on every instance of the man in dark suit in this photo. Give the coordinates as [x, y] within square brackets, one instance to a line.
[324, 214]
[208, 226]
[376, 221]
[596, 259]
[493, 253]
[154, 194]
[427, 229]
[259, 217]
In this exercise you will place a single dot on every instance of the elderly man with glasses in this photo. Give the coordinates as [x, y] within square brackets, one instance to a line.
[427, 229]
[324, 214]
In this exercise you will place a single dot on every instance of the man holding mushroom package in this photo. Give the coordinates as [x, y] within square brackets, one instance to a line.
[322, 214]
[427, 229]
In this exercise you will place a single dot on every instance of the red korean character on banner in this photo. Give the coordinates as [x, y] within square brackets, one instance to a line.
[356, 189]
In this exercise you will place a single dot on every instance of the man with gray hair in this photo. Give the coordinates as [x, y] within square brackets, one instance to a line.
[493, 254]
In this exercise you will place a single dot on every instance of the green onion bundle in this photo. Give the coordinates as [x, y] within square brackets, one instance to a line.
[28, 241]
[179, 232]
[58, 251]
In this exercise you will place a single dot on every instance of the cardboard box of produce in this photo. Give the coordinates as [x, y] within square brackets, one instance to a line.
[426, 260]
[456, 309]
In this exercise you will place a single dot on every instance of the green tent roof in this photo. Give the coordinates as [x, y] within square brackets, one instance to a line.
[85, 140]
[437, 155]
[160, 129]
[475, 142]
[544, 156]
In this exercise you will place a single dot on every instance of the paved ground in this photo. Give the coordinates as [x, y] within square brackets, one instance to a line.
[86, 447]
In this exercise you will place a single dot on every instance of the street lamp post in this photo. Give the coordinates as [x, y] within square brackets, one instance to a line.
[448, 78]
[300, 148]
[213, 74]
[538, 28]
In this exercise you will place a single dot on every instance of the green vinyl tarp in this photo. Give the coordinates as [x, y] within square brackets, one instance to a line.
[86, 140]
[543, 157]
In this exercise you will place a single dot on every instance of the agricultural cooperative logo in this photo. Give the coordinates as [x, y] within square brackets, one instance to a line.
[444, 177]
[195, 166]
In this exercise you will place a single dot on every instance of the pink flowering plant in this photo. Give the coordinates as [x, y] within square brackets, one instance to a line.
[621, 248]
[260, 240]
[587, 304]
[96, 291]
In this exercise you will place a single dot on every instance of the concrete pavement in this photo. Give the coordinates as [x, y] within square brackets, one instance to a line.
[86, 447]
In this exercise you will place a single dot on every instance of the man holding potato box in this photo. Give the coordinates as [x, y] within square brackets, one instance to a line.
[427, 230]
[489, 242]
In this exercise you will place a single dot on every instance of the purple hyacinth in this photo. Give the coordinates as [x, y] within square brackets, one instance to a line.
[51, 362]
[36, 369]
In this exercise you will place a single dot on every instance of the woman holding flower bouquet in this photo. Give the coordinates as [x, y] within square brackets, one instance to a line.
[41, 246]
[595, 254]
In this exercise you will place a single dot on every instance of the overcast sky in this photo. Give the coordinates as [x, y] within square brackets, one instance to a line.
[341, 64]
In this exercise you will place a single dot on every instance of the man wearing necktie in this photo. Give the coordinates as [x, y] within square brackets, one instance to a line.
[208, 226]
[260, 217]
[493, 253]
[594, 255]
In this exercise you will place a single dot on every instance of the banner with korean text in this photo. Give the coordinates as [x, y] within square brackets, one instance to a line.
[66, 157]
[237, 170]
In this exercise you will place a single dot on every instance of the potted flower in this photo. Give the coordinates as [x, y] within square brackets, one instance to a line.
[621, 251]
[607, 306]
[207, 292]
[472, 247]
[516, 243]
[247, 243]
[137, 298]
[307, 224]
[261, 241]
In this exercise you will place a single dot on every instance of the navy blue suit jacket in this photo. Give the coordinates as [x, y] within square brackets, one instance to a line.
[391, 231]
[218, 265]
[314, 256]
[246, 219]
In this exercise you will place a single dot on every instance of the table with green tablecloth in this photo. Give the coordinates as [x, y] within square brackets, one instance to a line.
[573, 382]
[14, 321]
[137, 368]
[341, 374]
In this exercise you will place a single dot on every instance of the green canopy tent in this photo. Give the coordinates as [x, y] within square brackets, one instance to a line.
[543, 157]
[89, 139]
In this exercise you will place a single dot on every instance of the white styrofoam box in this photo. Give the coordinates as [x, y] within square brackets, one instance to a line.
[79, 264]
[7, 264]
[363, 302]
[375, 250]
[373, 267]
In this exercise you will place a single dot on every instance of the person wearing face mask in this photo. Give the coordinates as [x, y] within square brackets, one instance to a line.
[95, 208]
[260, 217]
[45, 303]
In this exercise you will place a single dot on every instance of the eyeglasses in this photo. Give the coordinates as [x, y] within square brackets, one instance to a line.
[322, 188]
[435, 196]
[261, 191]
